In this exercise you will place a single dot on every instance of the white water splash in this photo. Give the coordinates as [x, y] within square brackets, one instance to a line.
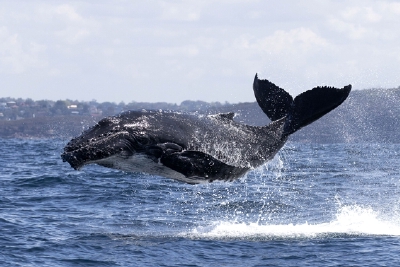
[352, 220]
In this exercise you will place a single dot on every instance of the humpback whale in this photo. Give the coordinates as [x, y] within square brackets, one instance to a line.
[200, 148]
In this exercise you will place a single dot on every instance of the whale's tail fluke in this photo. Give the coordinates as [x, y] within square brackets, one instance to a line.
[301, 111]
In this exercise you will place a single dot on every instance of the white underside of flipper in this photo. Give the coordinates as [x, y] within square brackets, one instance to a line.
[142, 163]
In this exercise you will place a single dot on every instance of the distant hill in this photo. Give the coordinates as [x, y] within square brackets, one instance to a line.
[366, 116]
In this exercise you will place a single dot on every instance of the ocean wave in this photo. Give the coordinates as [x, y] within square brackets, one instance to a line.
[353, 220]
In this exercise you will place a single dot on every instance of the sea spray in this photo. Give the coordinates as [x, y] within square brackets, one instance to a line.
[350, 220]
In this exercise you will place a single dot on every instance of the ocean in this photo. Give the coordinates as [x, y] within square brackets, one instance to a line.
[312, 205]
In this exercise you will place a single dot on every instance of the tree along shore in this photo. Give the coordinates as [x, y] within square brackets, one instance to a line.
[366, 116]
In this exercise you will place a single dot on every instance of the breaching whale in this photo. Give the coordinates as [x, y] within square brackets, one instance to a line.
[200, 148]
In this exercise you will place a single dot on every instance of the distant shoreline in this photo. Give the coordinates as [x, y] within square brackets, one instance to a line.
[46, 127]
[366, 116]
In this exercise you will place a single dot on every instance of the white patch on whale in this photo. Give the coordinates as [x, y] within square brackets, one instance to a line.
[142, 163]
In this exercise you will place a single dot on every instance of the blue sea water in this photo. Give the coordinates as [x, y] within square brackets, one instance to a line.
[313, 205]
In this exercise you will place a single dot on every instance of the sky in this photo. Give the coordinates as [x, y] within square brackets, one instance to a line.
[171, 51]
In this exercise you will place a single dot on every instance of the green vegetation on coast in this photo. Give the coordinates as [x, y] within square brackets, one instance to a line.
[371, 115]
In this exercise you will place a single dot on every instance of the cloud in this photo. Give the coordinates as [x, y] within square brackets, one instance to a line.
[15, 56]
[181, 11]
[280, 52]
[176, 50]
[295, 41]
[374, 19]
[68, 12]
[352, 30]
[67, 24]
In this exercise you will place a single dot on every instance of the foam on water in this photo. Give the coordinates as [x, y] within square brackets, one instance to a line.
[350, 220]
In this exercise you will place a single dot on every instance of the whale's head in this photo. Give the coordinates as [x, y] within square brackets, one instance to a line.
[109, 137]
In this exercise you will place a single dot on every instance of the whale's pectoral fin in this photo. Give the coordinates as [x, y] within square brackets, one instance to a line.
[198, 164]
[191, 163]
[155, 152]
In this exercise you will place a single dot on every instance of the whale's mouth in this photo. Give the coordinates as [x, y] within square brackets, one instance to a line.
[83, 150]
[72, 160]
[81, 157]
